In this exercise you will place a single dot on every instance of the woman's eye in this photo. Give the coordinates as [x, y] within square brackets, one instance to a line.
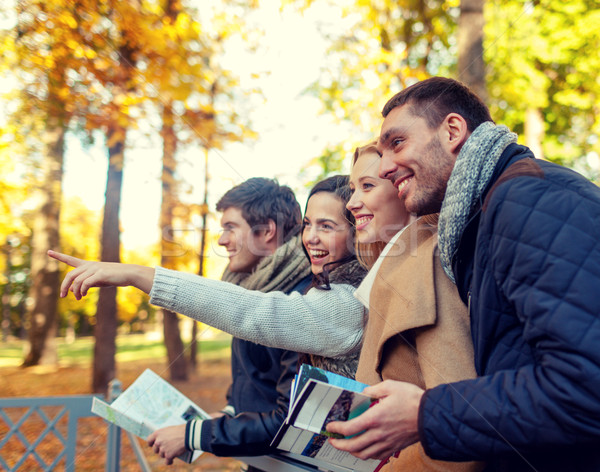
[327, 227]
[367, 186]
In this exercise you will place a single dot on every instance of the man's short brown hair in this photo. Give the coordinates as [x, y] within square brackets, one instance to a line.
[260, 200]
[435, 98]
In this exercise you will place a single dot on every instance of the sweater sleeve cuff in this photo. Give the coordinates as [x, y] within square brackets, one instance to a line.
[163, 292]
[205, 434]
[193, 429]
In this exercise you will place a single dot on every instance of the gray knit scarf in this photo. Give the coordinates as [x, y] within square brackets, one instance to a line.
[472, 171]
[281, 271]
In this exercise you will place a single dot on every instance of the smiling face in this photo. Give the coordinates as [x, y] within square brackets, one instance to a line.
[378, 212]
[245, 247]
[415, 160]
[326, 234]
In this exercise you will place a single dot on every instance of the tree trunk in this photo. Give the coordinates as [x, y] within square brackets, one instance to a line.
[7, 250]
[172, 334]
[45, 274]
[105, 331]
[201, 258]
[471, 66]
[534, 131]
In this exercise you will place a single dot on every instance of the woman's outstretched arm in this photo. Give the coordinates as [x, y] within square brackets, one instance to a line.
[88, 274]
[324, 322]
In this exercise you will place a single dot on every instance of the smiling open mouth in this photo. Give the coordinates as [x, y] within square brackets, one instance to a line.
[402, 185]
[317, 254]
[363, 221]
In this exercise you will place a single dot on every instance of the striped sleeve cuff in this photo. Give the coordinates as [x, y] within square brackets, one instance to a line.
[193, 430]
[229, 410]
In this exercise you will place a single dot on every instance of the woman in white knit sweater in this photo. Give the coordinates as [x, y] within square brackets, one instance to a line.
[327, 321]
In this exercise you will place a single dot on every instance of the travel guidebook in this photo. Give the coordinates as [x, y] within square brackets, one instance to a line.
[150, 403]
[317, 398]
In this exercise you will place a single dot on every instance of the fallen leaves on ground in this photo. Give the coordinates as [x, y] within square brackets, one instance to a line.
[206, 386]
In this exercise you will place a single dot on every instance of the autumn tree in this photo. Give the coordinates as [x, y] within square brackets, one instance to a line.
[80, 237]
[382, 47]
[172, 60]
[42, 58]
[66, 64]
[523, 58]
[114, 118]
[540, 83]
[172, 335]
[223, 89]
[15, 245]
[471, 64]
[126, 50]
[201, 254]
[77, 63]
[182, 69]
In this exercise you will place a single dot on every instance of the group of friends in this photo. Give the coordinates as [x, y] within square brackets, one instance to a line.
[451, 271]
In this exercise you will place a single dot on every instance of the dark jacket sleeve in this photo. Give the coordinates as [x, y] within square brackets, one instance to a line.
[250, 433]
[543, 261]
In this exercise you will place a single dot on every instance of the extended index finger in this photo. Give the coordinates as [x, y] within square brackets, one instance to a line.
[69, 260]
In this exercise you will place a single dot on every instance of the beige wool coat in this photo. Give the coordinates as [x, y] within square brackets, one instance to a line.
[418, 331]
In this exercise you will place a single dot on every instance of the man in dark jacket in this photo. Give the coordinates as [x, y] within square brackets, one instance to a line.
[261, 221]
[520, 237]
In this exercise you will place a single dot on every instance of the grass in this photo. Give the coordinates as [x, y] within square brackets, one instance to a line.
[130, 347]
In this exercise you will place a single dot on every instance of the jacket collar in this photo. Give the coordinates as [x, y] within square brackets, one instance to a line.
[402, 284]
[462, 264]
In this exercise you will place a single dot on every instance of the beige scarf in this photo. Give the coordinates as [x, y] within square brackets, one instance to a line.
[281, 271]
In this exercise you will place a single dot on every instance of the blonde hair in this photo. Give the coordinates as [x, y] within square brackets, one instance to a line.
[367, 253]
[431, 219]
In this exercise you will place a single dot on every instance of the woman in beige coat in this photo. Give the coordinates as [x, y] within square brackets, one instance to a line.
[418, 328]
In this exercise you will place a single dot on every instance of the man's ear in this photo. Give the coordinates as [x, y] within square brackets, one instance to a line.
[455, 132]
[270, 231]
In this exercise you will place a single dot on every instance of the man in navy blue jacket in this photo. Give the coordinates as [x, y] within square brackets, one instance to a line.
[260, 218]
[520, 237]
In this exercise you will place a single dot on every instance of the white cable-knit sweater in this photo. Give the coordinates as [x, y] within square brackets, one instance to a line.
[324, 322]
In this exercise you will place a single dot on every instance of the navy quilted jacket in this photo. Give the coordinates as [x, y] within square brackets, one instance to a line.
[260, 395]
[528, 265]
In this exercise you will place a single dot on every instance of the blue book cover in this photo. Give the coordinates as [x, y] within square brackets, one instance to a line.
[307, 372]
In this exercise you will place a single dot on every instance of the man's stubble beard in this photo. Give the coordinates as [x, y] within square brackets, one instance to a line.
[432, 180]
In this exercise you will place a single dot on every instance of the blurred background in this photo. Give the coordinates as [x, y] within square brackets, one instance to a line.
[123, 122]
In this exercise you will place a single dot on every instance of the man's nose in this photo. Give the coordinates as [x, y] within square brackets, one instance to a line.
[387, 168]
